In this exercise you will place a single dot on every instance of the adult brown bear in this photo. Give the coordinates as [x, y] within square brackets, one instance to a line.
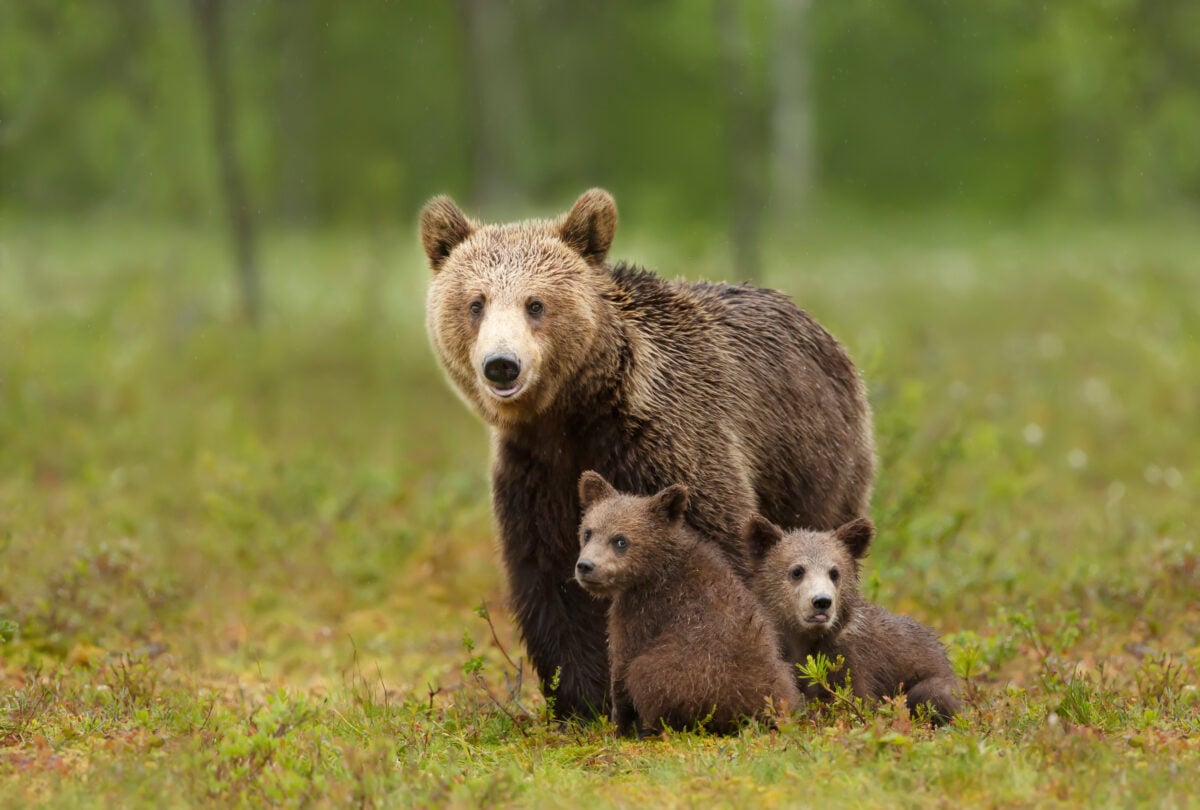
[578, 365]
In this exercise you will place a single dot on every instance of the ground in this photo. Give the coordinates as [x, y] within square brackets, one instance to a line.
[241, 567]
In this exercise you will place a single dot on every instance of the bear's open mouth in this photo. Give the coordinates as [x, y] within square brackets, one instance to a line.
[506, 393]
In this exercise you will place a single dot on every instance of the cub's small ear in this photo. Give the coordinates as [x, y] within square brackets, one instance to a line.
[593, 489]
[590, 225]
[673, 502]
[443, 226]
[856, 536]
[759, 536]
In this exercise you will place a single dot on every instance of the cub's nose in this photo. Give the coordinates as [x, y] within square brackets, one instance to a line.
[822, 602]
[585, 567]
[501, 368]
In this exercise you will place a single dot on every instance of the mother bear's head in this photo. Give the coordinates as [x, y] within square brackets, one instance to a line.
[514, 310]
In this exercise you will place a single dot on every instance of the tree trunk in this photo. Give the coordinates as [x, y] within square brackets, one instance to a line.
[743, 136]
[297, 121]
[497, 121]
[793, 174]
[209, 16]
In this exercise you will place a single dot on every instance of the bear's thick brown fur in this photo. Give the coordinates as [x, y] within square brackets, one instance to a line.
[689, 645]
[578, 365]
[808, 583]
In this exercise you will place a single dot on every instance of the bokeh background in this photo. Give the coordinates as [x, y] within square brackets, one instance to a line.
[696, 115]
[237, 494]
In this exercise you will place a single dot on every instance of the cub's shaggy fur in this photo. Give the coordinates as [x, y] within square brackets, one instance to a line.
[576, 364]
[808, 582]
[690, 645]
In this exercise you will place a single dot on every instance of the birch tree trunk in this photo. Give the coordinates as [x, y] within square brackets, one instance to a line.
[793, 175]
[209, 16]
[743, 115]
[497, 114]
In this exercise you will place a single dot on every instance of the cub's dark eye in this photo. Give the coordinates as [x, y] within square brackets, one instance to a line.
[535, 308]
[587, 535]
[476, 307]
[620, 542]
[797, 573]
[833, 574]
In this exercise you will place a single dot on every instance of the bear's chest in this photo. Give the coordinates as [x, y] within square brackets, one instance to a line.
[535, 481]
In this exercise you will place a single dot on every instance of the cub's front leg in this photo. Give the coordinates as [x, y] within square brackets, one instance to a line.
[623, 714]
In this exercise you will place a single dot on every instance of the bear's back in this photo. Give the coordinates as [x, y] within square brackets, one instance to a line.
[783, 385]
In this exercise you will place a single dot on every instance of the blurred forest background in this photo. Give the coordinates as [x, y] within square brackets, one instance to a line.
[704, 116]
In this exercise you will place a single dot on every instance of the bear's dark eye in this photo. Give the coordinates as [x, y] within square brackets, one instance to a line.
[797, 573]
[833, 574]
[535, 308]
[620, 542]
[587, 535]
[476, 308]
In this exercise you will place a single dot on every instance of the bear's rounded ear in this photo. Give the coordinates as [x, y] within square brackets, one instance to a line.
[673, 502]
[590, 225]
[593, 489]
[443, 226]
[856, 536]
[759, 536]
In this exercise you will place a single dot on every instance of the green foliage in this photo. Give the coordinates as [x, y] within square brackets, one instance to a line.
[96, 591]
[818, 672]
[8, 630]
[264, 758]
[343, 116]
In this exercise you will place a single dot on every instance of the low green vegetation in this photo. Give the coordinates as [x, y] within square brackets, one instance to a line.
[241, 568]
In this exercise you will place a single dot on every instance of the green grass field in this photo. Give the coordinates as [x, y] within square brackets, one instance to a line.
[244, 568]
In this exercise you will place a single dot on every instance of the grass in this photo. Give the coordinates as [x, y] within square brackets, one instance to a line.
[243, 568]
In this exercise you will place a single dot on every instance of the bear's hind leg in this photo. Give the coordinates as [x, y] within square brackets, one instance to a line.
[940, 694]
[671, 688]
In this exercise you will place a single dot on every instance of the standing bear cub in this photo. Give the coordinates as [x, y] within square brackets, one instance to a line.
[689, 643]
[576, 364]
[808, 583]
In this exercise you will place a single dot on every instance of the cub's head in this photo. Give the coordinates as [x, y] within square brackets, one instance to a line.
[624, 540]
[513, 309]
[807, 580]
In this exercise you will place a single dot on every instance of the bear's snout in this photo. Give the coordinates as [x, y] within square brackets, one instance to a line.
[585, 567]
[501, 368]
[822, 602]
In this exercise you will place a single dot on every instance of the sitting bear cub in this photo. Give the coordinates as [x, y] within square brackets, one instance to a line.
[808, 583]
[689, 644]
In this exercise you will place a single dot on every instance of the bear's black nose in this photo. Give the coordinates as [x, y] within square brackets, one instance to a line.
[822, 602]
[585, 566]
[501, 368]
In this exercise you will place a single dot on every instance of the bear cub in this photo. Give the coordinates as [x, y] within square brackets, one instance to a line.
[689, 644]
[808, 583]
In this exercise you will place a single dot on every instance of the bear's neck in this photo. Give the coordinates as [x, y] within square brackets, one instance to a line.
[602, 384]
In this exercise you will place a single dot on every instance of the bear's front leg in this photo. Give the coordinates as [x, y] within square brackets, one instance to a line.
[623, 715]
[564, 629]
[564, 635]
